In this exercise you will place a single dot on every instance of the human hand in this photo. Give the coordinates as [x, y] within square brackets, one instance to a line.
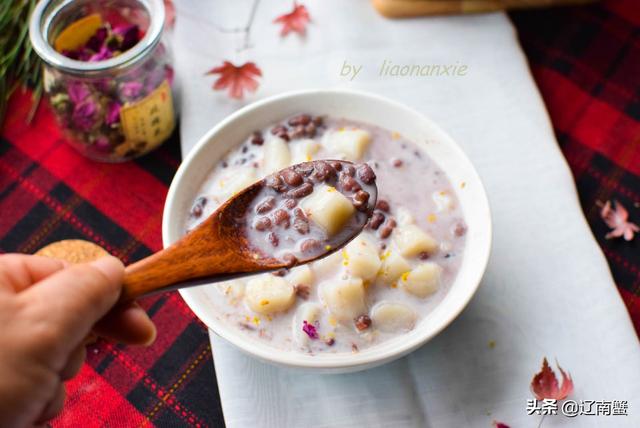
[47, 309]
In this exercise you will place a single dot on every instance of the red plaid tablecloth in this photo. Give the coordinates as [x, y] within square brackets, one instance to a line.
[586, 61]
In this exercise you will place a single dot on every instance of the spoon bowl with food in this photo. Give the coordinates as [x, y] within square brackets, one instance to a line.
[291, 217]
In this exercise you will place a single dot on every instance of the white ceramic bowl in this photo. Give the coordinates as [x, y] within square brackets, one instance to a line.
[361, 107]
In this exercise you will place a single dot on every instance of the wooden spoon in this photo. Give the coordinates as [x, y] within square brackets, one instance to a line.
[220, 248]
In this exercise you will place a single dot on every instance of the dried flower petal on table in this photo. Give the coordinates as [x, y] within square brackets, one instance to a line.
[618, 220]
[295, 21]
[500, 424]
[545, 384]
[236, 78]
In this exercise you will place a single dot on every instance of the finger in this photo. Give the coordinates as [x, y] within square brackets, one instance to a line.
[20, 271]
[74, 363]
[127, 324]
[54, 406]
[69, 302]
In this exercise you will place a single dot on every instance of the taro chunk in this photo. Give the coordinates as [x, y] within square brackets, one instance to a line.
[276, 155]
[328, 208]
[393, 317]
[411, 240]
[267, 294]
[361, 258]
[350, 143]
[344, 298]
[423, 280]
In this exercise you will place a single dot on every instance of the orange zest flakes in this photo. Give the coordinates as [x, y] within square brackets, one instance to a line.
[404, 276]
[395, 135]
[264, 302]
[333, 321]
[327, 247]
[394, 285]
[345, 257]
[385, 255]
[331, 189]
[256, 320]
[463, 184]
[431, 218]
[366, 283]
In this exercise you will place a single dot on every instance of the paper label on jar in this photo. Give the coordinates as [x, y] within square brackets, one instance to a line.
[151, 120]
[77, 33]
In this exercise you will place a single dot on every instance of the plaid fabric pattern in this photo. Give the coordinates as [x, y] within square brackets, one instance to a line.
[48, 192]
[586, 62]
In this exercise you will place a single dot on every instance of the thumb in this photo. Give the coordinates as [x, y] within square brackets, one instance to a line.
[72, 300]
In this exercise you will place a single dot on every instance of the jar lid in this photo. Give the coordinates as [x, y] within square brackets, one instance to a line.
[43, 19]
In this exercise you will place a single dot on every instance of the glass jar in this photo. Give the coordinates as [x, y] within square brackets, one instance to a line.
[113, 106]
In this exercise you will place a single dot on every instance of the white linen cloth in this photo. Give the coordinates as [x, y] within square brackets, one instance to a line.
[547, 290]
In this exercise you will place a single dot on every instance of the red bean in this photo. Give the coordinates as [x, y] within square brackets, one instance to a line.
[323, 171]
[459, 229]
[349, 170]
[366, 174]
[309, 245]
[301, 119]
[291, 177]
[383, 205]
[318, 121]
[266, 205]
[280, 131]
[299, 213]
[385, 232]
[336, 165]
[273, 239]
[198, 207]
[298, 132]
[363, 322]
[281, 217]
[262, 224]
[387, 228]
[301, 226]
[397, 163]
[279, 272]
[349, 184]
[376, 220]
[302, 291]
[256, 138]
[360, 199]
[310, 130]
[276, 183]
[289, 259]
[290, 203]
[301, 191]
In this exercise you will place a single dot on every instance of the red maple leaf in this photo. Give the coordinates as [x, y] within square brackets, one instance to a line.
[236, 78]
[295, 21]
[618, 220]
[545, 384]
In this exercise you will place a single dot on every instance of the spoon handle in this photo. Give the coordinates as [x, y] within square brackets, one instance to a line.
[185, 261]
